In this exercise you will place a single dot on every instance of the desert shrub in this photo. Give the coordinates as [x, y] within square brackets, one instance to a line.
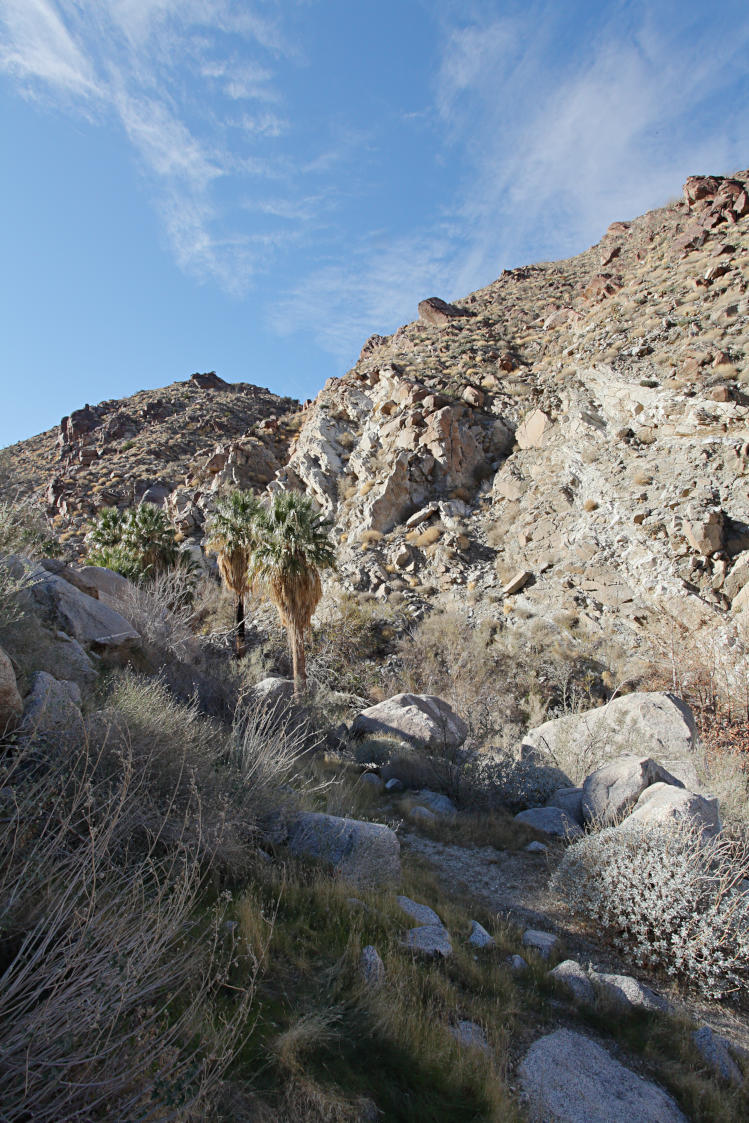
[350, 638]
[161, 610]
[666, 898]
[24, 531]
[499, 779]
[109, 961]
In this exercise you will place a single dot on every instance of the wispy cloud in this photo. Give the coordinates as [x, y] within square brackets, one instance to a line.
[374, 287]
[560, 145]
[124, 58]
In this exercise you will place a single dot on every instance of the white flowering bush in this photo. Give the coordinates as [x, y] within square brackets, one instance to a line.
[666, 899]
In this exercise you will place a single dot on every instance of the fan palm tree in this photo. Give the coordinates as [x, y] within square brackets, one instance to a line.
[232, 534]
[139, 542]
[292, 547]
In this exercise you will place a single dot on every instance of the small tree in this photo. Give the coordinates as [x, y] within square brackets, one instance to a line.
[292, 547]
[232, 534]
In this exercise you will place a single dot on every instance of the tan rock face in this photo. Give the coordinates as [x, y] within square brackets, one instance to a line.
[11, 705]
[531, 433]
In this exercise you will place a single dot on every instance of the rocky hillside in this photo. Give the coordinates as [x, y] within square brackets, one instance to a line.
[570, 440]
[178, 444]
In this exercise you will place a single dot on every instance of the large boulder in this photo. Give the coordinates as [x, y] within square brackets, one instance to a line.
[610, 791]
[656, 725]
[423, 720]
[11, 705]
[365, 853]
[87, 619]
[662, 802]
[568, 1078]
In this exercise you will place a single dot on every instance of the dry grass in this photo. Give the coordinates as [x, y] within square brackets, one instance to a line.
[110, 961]
[424, 538]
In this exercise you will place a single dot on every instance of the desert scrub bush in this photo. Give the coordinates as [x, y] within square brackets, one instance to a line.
[349, 639]
[162, 611]
[668, 899]
[24, 531]
[111, 956]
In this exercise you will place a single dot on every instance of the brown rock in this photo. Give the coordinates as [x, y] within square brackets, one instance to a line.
[601, 286]
[609, 255]
[473, 397]
[698, 187]
[438, 312]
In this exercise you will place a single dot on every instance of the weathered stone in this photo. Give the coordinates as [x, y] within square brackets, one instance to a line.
[517, 963]
[479, 937]
[11, 705]
[371, 967]
[542, 942]
[569, 800]
[365, 853]
[393, 785]
[614, 788]
[422, 815]
[273, 693]
[532, 431]
[569, 1078]
[438, 312]
[536, 848]
[429, 940]
[110, 586]
[516, 583]
[704, 531]
[550, 820]
[715, 1052]
[628, 992]
[662, 802]
[422, 914]
[421, 719]
[88, 620]
[437, 802]
[656, 725]
[372, 781]
[571, 975]
[52, 714]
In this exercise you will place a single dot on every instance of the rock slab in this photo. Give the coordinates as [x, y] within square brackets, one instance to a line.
[569, 1078]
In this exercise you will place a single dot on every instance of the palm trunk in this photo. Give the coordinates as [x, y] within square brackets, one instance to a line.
[299, 661]
[239, 645]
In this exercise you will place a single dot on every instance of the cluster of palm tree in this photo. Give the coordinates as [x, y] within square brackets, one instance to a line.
[139, 543]
[280, 547]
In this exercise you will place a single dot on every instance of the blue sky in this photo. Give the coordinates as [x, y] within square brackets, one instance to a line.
[256, 186]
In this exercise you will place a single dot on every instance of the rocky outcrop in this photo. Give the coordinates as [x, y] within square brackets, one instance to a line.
[438, 312]
[550, 820]
[87, 619]
[656, 725]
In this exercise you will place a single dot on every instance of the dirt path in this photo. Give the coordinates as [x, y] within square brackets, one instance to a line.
[515, 884]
